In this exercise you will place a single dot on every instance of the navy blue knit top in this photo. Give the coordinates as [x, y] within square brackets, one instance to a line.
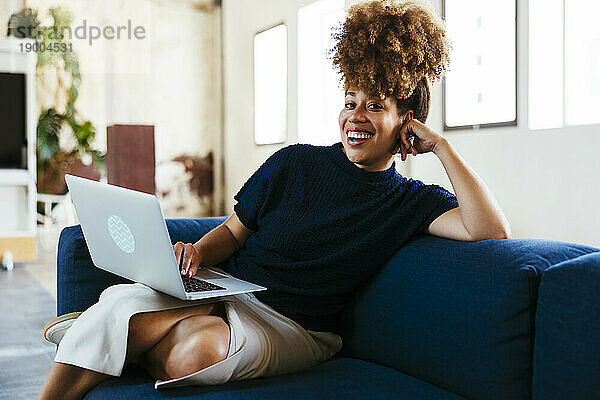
[323, 226]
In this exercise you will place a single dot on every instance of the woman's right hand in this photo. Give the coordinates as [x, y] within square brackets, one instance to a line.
[187, 258]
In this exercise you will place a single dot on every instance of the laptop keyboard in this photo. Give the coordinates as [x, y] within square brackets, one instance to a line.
[198, 285]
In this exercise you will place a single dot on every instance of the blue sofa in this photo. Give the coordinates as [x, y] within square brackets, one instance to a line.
[497, 319]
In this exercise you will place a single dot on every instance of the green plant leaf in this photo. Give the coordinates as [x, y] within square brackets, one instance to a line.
[23, 24]
[85, 135]
[98, 158]
[72, 63]
[62, 18]
[48, 38]
[48, 130]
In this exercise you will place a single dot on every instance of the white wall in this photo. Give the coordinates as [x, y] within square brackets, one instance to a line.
[546, 181]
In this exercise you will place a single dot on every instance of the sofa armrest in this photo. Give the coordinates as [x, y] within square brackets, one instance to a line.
[566, 361]
[457, 314]
[80, 282]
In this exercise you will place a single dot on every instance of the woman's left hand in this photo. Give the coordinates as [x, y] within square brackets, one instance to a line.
[424, 138]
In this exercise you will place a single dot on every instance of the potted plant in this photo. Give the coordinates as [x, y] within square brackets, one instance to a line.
[52, 160]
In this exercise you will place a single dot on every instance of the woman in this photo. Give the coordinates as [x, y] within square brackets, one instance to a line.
[311, 224]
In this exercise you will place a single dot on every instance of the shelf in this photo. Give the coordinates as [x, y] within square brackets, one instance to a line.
[12, 177]
[20, 233]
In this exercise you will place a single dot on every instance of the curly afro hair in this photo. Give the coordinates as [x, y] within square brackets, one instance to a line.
[395, 48]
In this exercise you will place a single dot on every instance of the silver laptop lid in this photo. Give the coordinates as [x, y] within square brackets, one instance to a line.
[126, 232]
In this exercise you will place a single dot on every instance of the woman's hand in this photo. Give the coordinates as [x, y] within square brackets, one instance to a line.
[425, 138]
[187, 258]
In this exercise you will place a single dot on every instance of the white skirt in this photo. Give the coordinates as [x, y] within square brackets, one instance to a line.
[263, 341]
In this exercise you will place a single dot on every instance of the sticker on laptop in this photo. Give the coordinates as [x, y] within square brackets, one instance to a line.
[121, 234]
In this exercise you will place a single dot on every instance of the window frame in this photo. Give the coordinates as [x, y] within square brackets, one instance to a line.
[287, 106]
[491, 124]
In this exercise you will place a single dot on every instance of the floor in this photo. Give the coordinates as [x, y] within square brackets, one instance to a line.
[27, 302]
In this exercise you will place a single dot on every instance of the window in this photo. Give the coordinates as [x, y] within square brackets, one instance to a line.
[270, 85]
[320, 100]
[564, 63]
[480, 88]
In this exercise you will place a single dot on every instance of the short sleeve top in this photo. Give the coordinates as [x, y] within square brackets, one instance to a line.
[322, 226]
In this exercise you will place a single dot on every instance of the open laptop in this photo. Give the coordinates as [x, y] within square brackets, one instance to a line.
[127, 235]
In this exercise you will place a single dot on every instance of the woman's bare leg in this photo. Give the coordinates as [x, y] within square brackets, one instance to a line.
[193, 344]
[67, 381]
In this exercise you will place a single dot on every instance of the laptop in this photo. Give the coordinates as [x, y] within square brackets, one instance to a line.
[127, 235]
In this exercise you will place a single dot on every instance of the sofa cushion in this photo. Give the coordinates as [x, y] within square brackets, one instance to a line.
[457, 314]
[339, 378]
[79, 282]
[566, 361]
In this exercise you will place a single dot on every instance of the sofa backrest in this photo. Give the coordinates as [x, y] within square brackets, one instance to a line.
[459, 315]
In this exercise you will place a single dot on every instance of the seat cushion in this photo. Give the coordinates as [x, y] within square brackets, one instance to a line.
[566, 361]
[458, 314]
[338, 378]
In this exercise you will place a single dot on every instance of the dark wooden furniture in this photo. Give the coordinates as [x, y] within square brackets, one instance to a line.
[130, 159]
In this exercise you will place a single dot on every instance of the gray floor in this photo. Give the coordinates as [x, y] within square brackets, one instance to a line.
[26, 304]
[25, 357]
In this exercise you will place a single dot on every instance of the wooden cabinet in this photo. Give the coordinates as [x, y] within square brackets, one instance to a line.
[130, 157]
